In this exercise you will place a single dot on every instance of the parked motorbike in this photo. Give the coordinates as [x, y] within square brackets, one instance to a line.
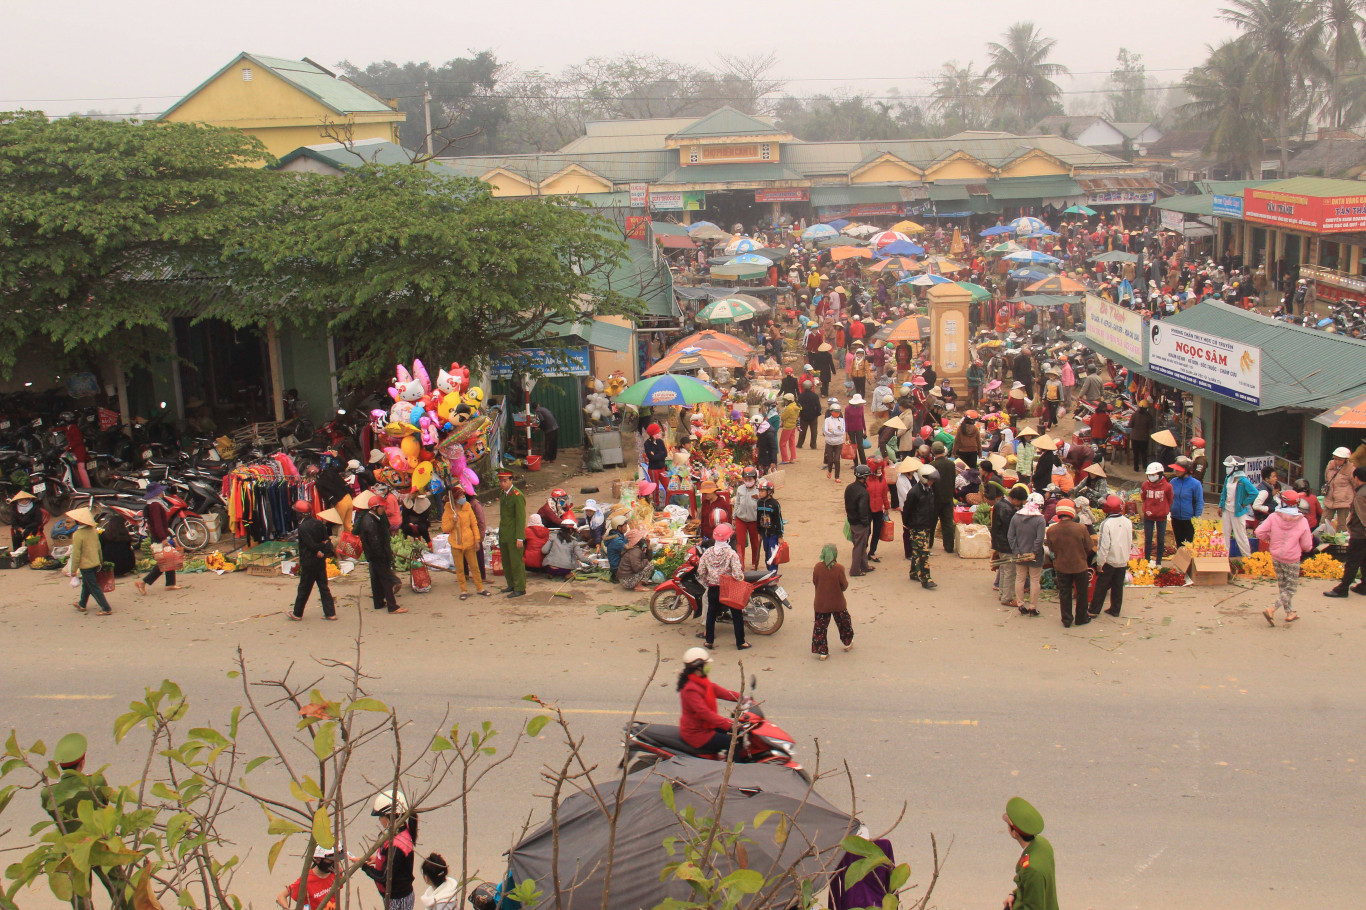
[187, 528]
[762, 742]
[683, 595]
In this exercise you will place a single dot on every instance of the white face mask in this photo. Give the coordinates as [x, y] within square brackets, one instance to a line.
[1154, 477]
[25, 508]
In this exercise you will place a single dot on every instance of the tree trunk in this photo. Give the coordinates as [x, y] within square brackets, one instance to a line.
[1284, 140]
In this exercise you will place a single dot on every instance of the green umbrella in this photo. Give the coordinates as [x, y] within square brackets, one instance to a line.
[1001, 249]
[668, 389]
[739, 271]
[1078, 210]
[978, 292]
[727, 309]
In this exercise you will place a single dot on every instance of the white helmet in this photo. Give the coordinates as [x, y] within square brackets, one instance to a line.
[1154, 468]
[390, 802]
[696, 655]
[928, 472]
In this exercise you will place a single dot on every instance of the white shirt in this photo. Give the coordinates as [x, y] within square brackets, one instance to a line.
[445, 896]
[1114, 541]
[834, 431]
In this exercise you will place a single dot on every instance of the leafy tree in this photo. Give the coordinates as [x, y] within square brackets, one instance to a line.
[1023, 92]
[1225, 101]
[1127, 101]
[404, 262]
[1273, 30]
[959, 97]
[827, 118]
[100, 220]
[468, 111]
[1334, 38]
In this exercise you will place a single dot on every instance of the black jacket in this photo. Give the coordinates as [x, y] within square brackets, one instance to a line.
[789, 385]
[856, 506]
[656, 454]
[1043, 470]
[373, 532]
[918, 511]
[331, 487]
[944, 486]
[315, 535]
[810, 404]
[1001, 513]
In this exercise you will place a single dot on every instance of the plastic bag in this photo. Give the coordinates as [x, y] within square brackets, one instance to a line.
[421, 579]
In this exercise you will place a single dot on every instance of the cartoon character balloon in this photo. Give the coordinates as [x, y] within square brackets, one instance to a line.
[461, 475]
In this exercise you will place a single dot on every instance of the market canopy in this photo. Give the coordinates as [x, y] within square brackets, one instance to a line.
[926, 280]
[1033, 257]
[668, 389]
[710, 339]
[902, 248]
[1025, 227]
[883, 238]
[840, 253]
[997, 231]
[978, 292]
[1350, 415]
[743, 271]
[742, 245]
[727, 310]
[1115, 256]
[943, 264]
[895, 264]
[750, 259]
[820, 232]
[692, 359]
[1078, 210]
[859, 230]
[908, 227]
[1045, 300]
[908, 328]
[1057, 284]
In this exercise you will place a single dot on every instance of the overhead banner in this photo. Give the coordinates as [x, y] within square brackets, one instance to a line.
[1115, 328]
[1227, 206]
[797, 194]
[1173, 220]
[678, 201]
[1209, 362]
[543, 362]
[1122, 197]
[1320, 214]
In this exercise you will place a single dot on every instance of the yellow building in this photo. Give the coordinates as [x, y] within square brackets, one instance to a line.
[287, 104]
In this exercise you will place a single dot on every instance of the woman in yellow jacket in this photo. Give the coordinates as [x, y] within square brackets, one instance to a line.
[787, 439]
[462, 529]
[87, 558]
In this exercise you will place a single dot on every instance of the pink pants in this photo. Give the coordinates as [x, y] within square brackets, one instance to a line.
[747, 530]
[787, 445]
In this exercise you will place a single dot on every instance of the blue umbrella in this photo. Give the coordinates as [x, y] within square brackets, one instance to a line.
[997, 231]
[926, 280]
[1046, 232]
[698, 225]
[750, 258]
[1033, 257]
[820, 232]
[1126, 290]
[1028, 275]
[742, 245]
[901, 248]
[839, 224]
[1023, 227]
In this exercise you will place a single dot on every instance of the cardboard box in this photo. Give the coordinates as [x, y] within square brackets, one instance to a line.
[1182, 559]
[1210, 570]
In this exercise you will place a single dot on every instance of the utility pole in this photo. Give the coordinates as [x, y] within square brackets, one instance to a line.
[427, 115]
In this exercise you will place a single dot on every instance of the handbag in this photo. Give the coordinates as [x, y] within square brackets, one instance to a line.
[105, 579]
[421, 578]
[888, 531]
[170, 559]
[734, 592]
[848, 453]
[781, 554]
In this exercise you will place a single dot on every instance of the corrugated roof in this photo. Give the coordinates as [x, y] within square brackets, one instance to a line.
[338, 155]
[1229, 187]
[595, 332]
[1043, 187]
[728, 173]
[1319, 187]
[948, 192]
[822, 196]
[321, 85]
[624, 167]
[640, 276]
[1202, 204]
[727, 121]
[1119, 182]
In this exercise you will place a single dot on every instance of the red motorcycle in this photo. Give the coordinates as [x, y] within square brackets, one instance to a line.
[187, 527]
[683, 595]
[763, 742]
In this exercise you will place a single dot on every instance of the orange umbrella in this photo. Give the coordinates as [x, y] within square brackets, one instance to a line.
[840, 253]
[895, 263]
[712, 340]
[694, 358]
[1056, 284]
[943, 264]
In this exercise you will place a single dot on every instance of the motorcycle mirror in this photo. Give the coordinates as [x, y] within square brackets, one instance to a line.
[753, 682]
[341, 411]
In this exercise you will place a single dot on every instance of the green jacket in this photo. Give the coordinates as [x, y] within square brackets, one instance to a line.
[85, 549]
[943, 487]
[1036, 883]
[511, 516]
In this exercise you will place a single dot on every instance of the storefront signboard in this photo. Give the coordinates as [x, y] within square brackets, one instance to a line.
[543, 362]
[1209, 362]
[678, 201]
[1317, 214]
[640, 195]
[1115, 328]
[796, 194]
[1227, 206]
[1173, 220]
[1122, 197]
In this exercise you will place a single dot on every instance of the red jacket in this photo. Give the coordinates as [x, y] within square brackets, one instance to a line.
[719, 500]
[877, 492]
[1157, 499]
[699, 719]
[531, 548]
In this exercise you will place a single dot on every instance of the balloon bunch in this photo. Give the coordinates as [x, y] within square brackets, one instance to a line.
[422, 419]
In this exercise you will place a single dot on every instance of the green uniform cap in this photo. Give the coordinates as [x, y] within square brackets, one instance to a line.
[70, 749]
[1024, 816]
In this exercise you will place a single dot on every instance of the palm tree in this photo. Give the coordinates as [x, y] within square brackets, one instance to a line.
[958, 97]
[1334, 29]
[1225, 101]
[1274, 29]
[1024, 91]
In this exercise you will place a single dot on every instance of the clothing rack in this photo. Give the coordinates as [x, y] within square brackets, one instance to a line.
[260, 499]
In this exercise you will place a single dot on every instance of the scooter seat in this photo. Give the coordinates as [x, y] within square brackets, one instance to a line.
[666, 736]
[754, 575]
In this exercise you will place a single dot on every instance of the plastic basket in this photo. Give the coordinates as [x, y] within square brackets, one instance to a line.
[735, 593]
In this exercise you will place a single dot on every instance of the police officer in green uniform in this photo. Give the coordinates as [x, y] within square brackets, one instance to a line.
[1036, 885]
[62, 802]
[512, 534]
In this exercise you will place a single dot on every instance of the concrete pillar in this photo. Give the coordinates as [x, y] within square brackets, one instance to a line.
[948, 309]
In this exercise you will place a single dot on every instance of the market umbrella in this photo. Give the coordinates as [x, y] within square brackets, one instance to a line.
[710, 232]
[750, 259]
[943, 264]
[819, 232]
[838, 224]
[1028, 275]
[926, 280]
[956, 247]
[1023, 227]
[978, 292]
[1009, 246]
[883, 238]
[1115, 256]
[840, 253]
[1057, 284]
[668, 389]
[996, 231]
[693, 359]
[908, 328]
[771, 253]
[1350, 415]
[725, 310]
[742, 271]
[702, 225]
[742, 245]
[1033, 257]
[1044, 300]
[859, 230]
[902, 248]
[1078, 210]
[895, 264]
[712, 340]
[801, 832]
[908, 227]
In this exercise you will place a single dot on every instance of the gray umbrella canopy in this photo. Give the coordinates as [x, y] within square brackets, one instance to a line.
[816, 827]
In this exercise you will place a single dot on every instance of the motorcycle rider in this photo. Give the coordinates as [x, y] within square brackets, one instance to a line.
[700, 726]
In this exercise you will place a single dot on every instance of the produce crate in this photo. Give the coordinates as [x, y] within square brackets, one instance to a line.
[266, 432]
[267, 556]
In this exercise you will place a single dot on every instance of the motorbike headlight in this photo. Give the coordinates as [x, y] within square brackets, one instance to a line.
[778, 746]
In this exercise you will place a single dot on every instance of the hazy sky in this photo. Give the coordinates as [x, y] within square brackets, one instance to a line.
[74, 55]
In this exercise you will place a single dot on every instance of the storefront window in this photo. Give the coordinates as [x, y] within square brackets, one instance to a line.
[1329, 253]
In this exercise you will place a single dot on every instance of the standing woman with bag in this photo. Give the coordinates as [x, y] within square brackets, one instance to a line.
[834, 435]
[879, 501]
[86, 559]
[717, 562]
[770, 522]
[160, 533]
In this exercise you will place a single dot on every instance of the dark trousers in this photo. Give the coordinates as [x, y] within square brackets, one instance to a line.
[856, 437]
[1073, 584]
[719, 744]
[1140, 448]
[151, 577]
[91, 588]
[860, 384]
[943, 516]
[1184, 530]
[552, 444]
[1356, 555]
[1155, 538]
[1110, 579]
[382, 584]
[859, 564]
[819, 642]
[312, 573]
[803, 427]
[714, 608]
[879, 519]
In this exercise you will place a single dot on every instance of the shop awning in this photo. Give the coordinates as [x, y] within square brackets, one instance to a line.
[826, 196]
[668, 229]
[594, 332]
[1059, 186]
[672, 242]
[1189, 205]
[953, 192]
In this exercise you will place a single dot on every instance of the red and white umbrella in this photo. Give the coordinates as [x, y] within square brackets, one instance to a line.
[885, 238]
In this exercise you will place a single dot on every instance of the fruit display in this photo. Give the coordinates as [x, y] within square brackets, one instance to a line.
[216, 562]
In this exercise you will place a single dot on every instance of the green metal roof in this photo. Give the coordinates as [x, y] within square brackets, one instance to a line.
[1190, 205]
[1302, 369]
[340, 96]
[948, 192]
[822, 196]
[728, 122]
[1320, 187]
[668, 229]
[337, 155]
[1043, 187]
[729, 173]
[639, 275]
[595, 332]
[1229, 187]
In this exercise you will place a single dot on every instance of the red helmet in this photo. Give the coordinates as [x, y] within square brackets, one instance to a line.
[558, 494]
[925, 432]
[1112, 505]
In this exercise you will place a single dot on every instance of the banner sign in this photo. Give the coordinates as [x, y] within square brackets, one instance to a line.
[1321, 214]
[543, 362]
[1122, 197]
[1173, 220]
[1208, 362]
[640, 195]
[1228, 206]
[635, 226]
[678, 201]
[793, 195]
[1115, 328]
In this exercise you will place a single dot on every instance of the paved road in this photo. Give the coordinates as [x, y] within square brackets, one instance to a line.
[1184, 756]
